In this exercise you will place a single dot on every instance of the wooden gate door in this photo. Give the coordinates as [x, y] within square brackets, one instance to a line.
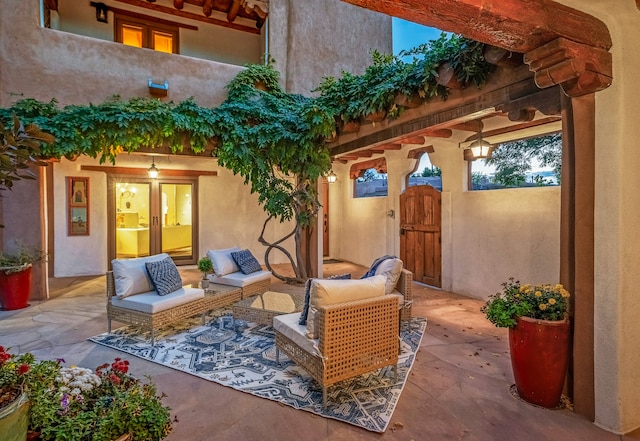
[420, 227]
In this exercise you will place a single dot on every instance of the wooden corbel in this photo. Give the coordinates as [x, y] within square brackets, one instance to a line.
[578, 68]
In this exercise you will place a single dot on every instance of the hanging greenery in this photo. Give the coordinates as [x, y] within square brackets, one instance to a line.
[273, 139]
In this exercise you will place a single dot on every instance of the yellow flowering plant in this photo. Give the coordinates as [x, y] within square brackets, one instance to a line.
[544, 302]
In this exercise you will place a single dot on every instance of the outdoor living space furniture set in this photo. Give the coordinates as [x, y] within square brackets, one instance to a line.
[340, 330]
[147, 292]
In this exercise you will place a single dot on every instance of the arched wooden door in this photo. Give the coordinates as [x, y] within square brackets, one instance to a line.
[420, 229]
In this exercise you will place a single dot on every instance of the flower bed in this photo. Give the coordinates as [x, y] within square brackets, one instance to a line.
[74, 403]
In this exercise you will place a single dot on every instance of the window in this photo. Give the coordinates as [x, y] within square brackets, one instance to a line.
[532, 162]
[425, 173]
[139, 32]
[370, 178]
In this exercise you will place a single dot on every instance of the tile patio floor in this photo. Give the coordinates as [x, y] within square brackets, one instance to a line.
[458, 388]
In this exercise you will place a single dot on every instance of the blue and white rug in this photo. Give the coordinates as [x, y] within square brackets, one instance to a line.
[245, 360]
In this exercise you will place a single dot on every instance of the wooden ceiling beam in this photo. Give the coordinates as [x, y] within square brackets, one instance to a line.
[516, 127]
[189, 15]
[438, 133]
[416, 153]
[514, 25]
[419, 140]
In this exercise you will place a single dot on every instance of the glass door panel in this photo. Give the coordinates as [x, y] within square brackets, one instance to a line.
[132, 219]
[176, 217]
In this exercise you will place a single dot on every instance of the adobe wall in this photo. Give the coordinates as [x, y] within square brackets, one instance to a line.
[316, 38]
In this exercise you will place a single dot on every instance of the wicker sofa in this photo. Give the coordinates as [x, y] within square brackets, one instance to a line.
[131, 298]
[342, 339]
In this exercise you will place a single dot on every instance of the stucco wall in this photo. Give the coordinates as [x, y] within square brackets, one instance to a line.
[316, 38]
[45, 64]
[486, 237]
[228, 214]
[209, 42]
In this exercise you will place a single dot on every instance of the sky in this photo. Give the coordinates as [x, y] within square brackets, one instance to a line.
[407, 35]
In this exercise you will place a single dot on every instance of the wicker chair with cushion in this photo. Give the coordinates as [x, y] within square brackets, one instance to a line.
[236, 267]
[351, 329]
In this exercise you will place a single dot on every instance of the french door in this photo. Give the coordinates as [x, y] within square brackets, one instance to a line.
[152, 216]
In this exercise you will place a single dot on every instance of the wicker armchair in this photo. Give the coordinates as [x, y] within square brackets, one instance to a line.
[355, 337]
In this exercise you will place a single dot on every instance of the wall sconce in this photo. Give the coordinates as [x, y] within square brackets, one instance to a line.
[153, 171]
[101, 12]
[158, 90]
[332, 177]
[478, 149]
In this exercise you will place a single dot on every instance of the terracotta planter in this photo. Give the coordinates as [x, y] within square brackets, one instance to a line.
[539, 358]
[351, 127]
[408, 101]
[376, 116]
[14, 419]
[15, 289]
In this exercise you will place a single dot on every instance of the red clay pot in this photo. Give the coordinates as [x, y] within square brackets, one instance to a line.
[539, 358]
[15, 289]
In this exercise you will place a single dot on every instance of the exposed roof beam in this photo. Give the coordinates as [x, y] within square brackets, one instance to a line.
[515, 127]
[514, 25]
[189, 15]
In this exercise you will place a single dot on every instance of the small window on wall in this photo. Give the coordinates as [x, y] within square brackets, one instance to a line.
[142, 33]
[426, 174]
[369, 178]
[532, 162]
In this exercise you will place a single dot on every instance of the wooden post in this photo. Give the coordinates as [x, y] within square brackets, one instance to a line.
[577, 243]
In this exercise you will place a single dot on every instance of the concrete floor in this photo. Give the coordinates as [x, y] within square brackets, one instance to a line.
[459, 387]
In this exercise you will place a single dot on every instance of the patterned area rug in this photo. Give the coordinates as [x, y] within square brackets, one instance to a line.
[244, 359]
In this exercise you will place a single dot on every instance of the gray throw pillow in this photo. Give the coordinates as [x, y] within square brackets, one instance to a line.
[164, 276]
[245, 260]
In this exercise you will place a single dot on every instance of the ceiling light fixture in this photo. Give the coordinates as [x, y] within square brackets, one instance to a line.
[478, 149]
[153, 170]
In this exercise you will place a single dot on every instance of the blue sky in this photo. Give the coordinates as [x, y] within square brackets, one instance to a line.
[407, 35]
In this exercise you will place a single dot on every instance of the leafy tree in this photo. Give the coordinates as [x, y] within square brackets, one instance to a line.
[513, 159]
[429, 172]
[20, 149]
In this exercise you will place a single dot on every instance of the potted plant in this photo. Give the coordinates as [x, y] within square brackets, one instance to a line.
[206, 267]
[537, 318]
[73, 403]
[15, 276]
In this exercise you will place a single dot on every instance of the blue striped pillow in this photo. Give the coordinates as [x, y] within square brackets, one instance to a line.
[164, 276]
[245, 260]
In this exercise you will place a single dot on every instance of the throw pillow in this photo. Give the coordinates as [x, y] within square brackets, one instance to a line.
[329, 292]
[305, 308]
[222, 261]
[245, 260]
[164, 275]
[130, 276]
[390, 269]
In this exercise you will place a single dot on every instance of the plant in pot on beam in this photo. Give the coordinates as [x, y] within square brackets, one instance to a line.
[538, 323]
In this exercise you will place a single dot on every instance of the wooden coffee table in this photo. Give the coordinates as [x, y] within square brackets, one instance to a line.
[264, 307]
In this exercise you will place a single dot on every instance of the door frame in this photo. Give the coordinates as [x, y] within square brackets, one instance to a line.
[112, 179]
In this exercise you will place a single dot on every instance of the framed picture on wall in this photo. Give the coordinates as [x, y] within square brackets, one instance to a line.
[78, 206]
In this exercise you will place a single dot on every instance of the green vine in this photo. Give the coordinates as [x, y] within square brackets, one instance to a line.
[273, 139]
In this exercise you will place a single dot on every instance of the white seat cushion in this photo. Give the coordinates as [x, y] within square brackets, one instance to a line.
[287, 325]
[130, 275]
[150, 302]
[239, 279]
